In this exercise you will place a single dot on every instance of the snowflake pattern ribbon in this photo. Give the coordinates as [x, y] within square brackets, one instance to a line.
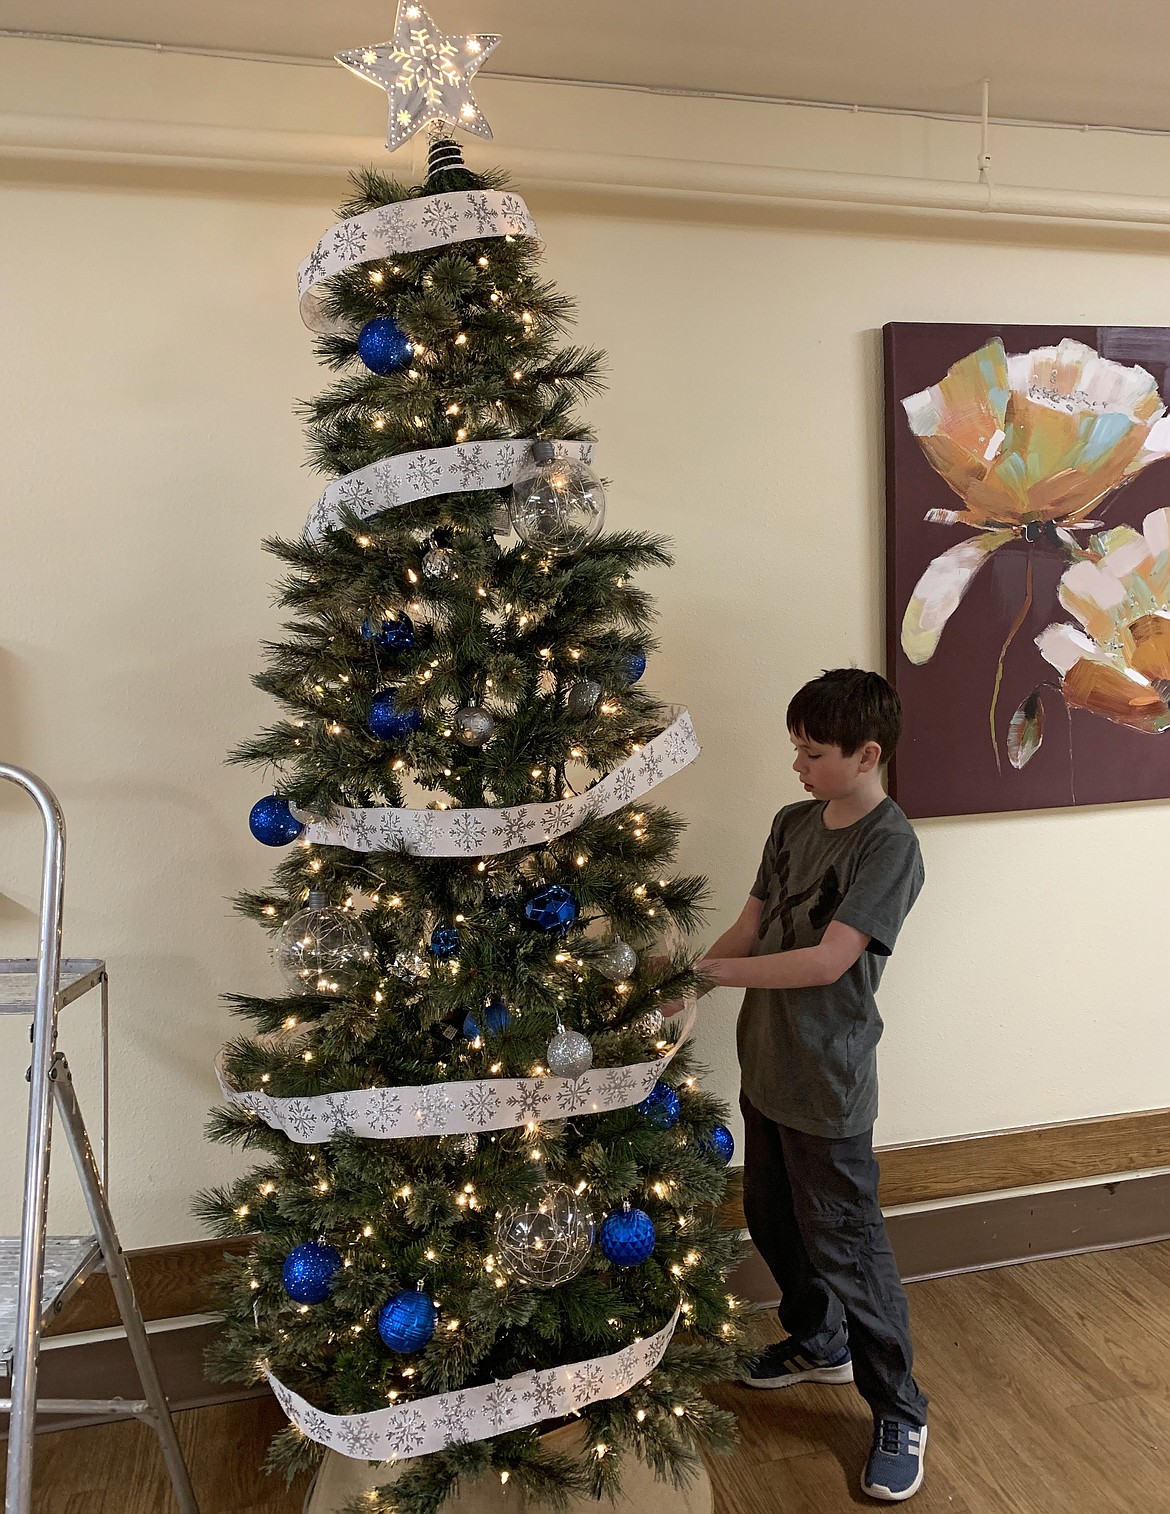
[488, 833]
[464, 215]
[438, 1109]
[431, 1424]
[430, 471]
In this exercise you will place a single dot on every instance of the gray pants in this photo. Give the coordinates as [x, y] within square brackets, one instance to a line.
[812, 1210]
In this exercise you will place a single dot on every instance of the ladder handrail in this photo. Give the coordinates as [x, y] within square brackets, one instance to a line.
[22, 1421]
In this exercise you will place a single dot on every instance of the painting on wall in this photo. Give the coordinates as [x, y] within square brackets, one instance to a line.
[1028, 564]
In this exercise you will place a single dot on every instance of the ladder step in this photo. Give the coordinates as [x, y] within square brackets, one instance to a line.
[18, 982]
[69, 1259]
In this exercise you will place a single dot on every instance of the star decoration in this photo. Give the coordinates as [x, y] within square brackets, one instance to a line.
[425, 73]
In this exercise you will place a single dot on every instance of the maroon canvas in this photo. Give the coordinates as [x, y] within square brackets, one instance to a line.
[960, 750]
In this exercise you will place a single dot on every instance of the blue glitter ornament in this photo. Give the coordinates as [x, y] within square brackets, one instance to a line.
[383, 345]
[445, 942]
[661, 1106]
[635, 666]
[407, 1321]
[387, 721]
[272, 822]
[720, 1143]
[395, 635]
[308, 1271]
[491, 1021]
[627, 1236]
[554, 908]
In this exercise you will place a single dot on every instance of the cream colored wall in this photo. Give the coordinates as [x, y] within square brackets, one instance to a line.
[153, 357]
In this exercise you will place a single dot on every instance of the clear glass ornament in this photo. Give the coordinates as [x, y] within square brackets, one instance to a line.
[557, 505]
[321, 949]
[547, 1241]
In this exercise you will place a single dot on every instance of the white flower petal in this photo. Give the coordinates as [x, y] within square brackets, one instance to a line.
[940, 590]
[1064, 646]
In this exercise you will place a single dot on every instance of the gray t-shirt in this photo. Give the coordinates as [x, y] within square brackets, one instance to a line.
[808, 1056]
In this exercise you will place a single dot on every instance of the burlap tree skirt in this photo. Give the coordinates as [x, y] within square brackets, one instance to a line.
[340, 1479]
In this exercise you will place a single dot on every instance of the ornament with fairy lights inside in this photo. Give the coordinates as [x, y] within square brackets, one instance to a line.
[557, 504]
[546, 1240]
[321, 949]
[425, 74]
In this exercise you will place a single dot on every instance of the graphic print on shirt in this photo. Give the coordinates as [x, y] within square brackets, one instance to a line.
[823, 898]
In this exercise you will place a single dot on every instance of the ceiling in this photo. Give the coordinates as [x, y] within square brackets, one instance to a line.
[1061, 60]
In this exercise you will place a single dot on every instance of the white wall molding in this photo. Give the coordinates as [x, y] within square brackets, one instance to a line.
[255, 150]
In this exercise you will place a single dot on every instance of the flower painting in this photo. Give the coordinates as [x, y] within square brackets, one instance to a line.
[1028, 564]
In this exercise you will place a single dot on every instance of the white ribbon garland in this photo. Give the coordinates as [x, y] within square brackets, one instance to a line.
[439, 1109]
[488, 833]
[431, 1424]
[417, 475]
[406, 226]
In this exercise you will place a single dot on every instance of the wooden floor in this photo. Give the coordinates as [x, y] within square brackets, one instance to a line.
[1050, 1387]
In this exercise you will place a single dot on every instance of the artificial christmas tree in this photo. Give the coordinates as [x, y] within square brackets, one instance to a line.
[490, 1187]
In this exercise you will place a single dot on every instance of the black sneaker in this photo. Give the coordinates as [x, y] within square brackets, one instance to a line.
[895, 1466]
[789, 1362]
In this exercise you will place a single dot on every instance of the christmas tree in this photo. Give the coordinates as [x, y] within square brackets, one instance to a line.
[488, 1190]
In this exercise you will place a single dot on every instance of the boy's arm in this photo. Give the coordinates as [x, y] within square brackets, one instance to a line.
[806, 967]
[737, 940]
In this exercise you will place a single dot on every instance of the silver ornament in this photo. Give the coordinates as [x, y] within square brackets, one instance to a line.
[410, 967]
[320, 950]
[465, 1145]
[619, 960]
[650, 1024]
[582, 698]
[558, 504]
[474, 725]
[569, 1054]
[547, 1241]
[439, 562]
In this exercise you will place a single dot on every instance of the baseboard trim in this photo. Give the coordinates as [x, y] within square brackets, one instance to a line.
[1001, 1232]
[105, 1369]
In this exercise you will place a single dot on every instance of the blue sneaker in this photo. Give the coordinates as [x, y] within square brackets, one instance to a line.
[789, 1362]
[894, 1469]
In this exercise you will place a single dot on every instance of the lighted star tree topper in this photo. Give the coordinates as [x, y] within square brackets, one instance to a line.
[425, 74]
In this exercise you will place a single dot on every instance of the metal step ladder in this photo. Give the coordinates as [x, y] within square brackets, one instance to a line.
[39, 1273]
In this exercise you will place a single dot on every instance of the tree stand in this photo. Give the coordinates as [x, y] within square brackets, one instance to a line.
[341, 1479]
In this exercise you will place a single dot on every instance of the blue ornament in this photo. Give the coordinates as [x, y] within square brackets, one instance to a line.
[554, 908]
[308, 1271]
[396, 635]
[383, 345]
[720, 1143]
[635, 666]
[407, 1321]
[627, 1236]
[445, 942]
[493, 1021]
[661, 1106]
[387, 721]
[272, 822]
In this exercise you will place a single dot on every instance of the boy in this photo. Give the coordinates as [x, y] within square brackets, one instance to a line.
[839, 874]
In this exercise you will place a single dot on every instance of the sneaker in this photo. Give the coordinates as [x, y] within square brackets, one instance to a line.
[894, 1469]
[788, 1362]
